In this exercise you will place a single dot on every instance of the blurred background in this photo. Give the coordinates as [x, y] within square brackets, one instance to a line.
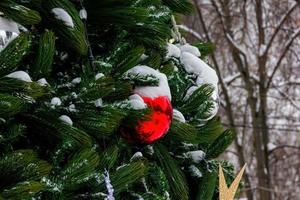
[257, 56]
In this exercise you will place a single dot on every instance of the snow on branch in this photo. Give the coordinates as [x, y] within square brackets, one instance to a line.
[109, 186]
[229, 79]
[190, 31]
[236, 46]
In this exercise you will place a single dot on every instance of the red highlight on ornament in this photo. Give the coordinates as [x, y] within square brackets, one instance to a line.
[156, 124]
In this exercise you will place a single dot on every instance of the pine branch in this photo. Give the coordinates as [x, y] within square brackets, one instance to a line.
[12, 55]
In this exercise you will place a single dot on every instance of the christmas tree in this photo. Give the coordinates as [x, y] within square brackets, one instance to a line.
[105, 100]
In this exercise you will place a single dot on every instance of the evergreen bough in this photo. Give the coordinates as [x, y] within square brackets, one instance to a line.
[42, 157]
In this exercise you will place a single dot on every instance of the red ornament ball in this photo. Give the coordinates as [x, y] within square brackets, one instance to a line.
[156, 124]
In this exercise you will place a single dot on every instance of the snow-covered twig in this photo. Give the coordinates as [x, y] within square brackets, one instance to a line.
[233, 43]
[109, 187]
[229, 79]
[84, 19]
[176, 31]
[190, 31]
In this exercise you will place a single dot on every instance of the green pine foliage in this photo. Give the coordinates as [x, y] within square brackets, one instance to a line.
[207, 188]
[13, 53]
[61, 139]
[72, 36]
[44, 59]
[20, 13]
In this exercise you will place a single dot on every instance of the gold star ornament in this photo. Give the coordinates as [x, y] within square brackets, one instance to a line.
[225, 192]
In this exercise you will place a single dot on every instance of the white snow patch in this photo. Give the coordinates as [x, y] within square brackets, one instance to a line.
[192, 64]
[137, 105]
[136, 97]
[55, 101]
[136, 102]
[83, 13]
[136, 155]
[195, 65]
[196, 156]
[190, 49]
[151, 91]
[109, 187]
[66, 119]
[2, 120]
[209, 77]
[99, 103]
[205, 74]
[265, 170]
[98, 76]
[76, 80]
[167, 195]
[63, 56]
[72, 108]
[143, 57]
[178, 116]
[9, 25]
[272, 60]
[271, 146]
[195, 171]
[64, 16]
[42, 82]
[172, 51]
[4, 39]
[21, 75]
[262, 49]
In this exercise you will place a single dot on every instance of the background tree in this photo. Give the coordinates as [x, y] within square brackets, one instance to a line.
[257, 48]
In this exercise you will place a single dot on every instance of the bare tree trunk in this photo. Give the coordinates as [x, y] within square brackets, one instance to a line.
[261, 169]
[255, 42]
[260, 137]
[230, 114]
[229, 109]
[262, 59]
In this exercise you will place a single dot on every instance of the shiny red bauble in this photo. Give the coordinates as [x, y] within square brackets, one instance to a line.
[155, 125]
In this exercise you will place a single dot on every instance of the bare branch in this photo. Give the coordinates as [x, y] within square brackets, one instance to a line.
[228, 80]
[191, 31]
[230, 39]
[235, 45]
[283, 146]
[259, 21]
[288, 98]
[286, 48]
[202, 21]
[284, 84]
[279, 26]
[296, 130]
